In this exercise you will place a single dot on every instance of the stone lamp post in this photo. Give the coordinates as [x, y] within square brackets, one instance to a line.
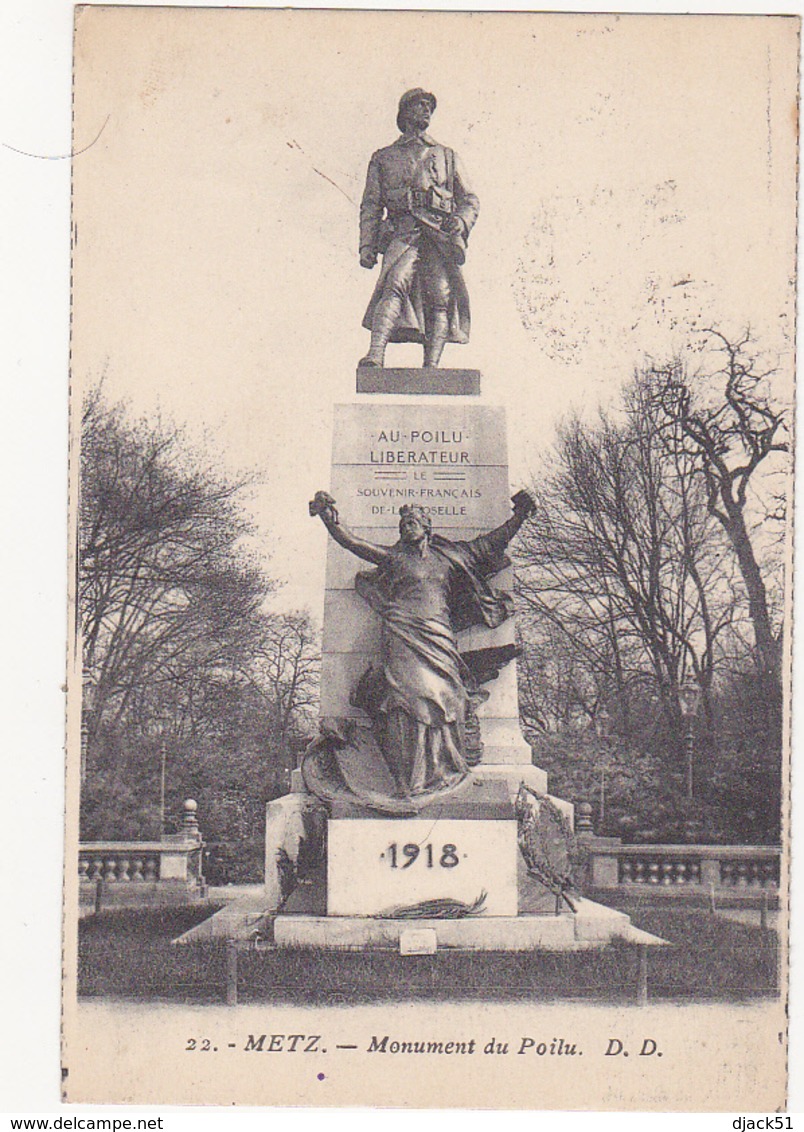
[603, 731]
[689, 700]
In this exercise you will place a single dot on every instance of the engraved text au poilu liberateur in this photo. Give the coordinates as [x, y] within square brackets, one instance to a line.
[419, 456]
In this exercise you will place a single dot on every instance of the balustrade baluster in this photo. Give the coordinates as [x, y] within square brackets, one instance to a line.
[720, 867]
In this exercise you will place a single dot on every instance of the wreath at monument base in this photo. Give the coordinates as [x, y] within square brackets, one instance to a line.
[443, 908]
[548, 845]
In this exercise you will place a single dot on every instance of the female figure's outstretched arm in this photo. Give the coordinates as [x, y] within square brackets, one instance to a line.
[324, 506]
[494, 542]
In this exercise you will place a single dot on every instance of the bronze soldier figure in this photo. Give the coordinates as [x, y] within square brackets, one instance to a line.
[417, 212]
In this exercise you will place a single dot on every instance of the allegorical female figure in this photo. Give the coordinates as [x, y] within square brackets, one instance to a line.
[425, 589]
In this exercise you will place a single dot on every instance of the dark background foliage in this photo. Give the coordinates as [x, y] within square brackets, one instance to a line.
[650, 591]
[189, 679]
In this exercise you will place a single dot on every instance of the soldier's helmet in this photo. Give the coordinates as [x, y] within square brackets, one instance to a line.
[406, 100]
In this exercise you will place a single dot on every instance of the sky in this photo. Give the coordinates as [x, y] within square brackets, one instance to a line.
[632, 191]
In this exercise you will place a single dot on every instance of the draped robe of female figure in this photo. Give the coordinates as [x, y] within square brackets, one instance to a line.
[417, 699]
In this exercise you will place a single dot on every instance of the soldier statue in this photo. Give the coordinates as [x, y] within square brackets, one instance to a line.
[417, 212]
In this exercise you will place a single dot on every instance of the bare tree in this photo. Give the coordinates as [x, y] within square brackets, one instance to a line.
[166, 590]
[651, 560]
[285, 669]
[192, 686]
[624, 561]
[730, 440]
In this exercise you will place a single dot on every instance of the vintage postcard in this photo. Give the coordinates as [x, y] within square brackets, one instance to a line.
[431, 448]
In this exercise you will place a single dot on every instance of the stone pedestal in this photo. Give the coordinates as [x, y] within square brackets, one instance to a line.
[450, 458]
[451, 875]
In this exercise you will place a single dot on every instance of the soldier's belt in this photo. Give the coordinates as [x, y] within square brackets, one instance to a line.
[432, 201]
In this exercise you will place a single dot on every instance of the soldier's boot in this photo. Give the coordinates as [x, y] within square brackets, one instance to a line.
[384, 321]
[436, 340]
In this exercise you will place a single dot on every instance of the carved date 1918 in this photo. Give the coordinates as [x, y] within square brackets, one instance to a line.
[447, 858]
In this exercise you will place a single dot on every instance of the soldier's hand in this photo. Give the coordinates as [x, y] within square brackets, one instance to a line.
[368, 258]
[455, 226]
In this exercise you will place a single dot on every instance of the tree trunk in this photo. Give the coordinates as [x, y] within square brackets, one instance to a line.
[768, 652]
[767, 649]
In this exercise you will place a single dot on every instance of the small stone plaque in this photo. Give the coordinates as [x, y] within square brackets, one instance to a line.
[418, 941]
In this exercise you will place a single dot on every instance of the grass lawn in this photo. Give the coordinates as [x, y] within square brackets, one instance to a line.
[129, 954]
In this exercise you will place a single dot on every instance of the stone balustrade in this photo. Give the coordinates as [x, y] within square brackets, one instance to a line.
[138, 862]
[740, 869]
[144, 872]
[119, 862]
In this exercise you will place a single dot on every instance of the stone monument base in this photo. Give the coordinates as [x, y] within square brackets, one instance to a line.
[592, 925]
[534, 922]
[308, 918]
